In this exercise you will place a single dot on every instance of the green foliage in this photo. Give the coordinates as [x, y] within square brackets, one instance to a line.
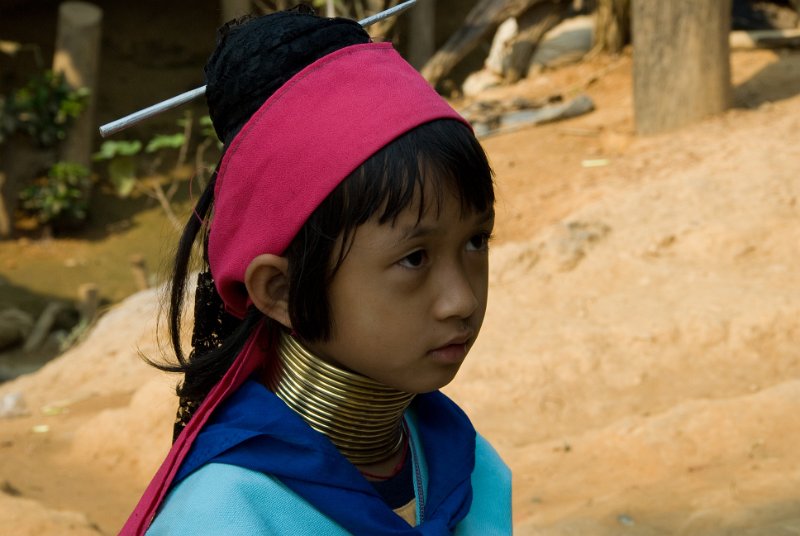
[121, 163]
[163, 141]
[123, 168]
[61, 196]
[207, 131]
[44, 109]
[111, 149]
[122, 174]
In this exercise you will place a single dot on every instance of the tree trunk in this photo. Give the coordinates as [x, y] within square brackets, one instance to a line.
[612, 29]
[77, 55]
[421, 32]
[681, 62]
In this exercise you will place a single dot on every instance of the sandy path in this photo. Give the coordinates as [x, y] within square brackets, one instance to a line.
[640, 359]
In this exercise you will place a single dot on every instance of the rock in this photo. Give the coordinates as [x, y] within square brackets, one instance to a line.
[480, 81]
[742, 40]
[13, 405]
[15, 326]
[43, 325]
[508, 121]
[497, 60]
[566, 43]
[582, 104]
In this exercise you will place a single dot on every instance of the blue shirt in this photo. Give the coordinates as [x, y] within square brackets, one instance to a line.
[221, 498]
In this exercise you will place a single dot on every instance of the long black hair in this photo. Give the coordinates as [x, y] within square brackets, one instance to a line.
[272, 49]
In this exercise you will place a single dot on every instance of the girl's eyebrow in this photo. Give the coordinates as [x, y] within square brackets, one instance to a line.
[417, 231]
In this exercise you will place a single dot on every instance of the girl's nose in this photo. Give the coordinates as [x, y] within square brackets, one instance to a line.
[456, 296]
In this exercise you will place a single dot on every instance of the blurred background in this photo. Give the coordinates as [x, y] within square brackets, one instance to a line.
[638, 365]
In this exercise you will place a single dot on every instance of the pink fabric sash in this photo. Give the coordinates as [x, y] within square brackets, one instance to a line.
[308, 136]
[248, 361]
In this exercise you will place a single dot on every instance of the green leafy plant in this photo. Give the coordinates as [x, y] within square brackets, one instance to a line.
[121, 164]
[165, 141]
[122, 156]
[127, 174]
[61, 196]
[44, 109]
[207, 129]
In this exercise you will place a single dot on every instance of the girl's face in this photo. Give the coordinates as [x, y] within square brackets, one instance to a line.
[409, 299]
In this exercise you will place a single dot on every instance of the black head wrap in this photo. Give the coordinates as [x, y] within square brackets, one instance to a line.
[256, 56]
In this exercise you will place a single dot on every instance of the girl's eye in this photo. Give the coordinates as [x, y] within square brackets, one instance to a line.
[479, 242]
[414, 260]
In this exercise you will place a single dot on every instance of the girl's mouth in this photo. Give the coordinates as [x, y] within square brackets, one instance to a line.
[450, 354]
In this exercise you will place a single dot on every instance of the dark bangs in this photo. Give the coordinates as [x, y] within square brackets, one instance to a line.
[444, 151]
[390, 181]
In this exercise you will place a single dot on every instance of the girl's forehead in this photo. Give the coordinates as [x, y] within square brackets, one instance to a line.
[439, 198]
[446, 209]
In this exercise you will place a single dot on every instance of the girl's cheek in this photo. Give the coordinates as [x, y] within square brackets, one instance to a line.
[402, 280]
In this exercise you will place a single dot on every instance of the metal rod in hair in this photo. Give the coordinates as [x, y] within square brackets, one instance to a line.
[129, 120]
[385, 14]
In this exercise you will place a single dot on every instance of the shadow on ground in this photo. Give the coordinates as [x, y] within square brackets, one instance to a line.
[779, 80]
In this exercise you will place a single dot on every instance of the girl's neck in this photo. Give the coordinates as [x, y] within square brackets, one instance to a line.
[361, 417]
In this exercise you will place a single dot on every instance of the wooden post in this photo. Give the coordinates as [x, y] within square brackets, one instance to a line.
[88, 302]
[139, 269]
[421, 32]
[681, 62]
[232, 9]
[77, 55]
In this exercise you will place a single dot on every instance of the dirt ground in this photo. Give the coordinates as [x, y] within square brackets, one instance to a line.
[639, 364]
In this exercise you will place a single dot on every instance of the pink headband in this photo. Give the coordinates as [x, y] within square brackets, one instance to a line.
[313, 132]
[303, 141]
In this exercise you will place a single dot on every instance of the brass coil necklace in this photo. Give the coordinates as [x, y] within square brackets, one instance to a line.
[361, 417]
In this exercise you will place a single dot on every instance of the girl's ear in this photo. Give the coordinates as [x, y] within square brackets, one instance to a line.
[267, 282]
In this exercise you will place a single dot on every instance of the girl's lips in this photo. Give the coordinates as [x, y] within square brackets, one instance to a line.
[450, 354]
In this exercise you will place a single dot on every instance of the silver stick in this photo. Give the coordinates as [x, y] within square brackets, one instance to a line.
[392, 11]
[137, 117]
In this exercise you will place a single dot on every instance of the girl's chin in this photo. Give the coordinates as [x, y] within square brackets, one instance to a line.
[432, 381]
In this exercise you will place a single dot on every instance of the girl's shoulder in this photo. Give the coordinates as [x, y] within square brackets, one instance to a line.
[490, 469]
[489, 463]
[226, 499]
[490, 513]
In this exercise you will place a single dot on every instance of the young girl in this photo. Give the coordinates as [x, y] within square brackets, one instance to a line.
[345, 281]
